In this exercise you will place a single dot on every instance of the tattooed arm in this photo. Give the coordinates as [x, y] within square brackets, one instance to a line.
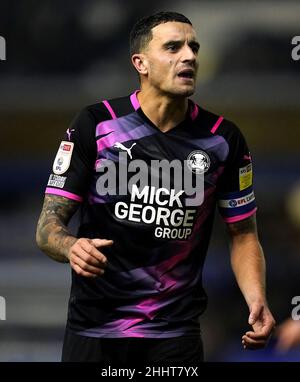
[248, 264]
[52, 235]
[54, 239]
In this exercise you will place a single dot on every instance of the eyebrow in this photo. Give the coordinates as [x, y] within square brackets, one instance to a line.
[193, 43]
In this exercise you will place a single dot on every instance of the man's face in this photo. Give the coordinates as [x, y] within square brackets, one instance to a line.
[172, 59]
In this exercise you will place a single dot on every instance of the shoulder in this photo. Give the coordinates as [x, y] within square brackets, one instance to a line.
[120, 106]
[230, 132]
[106, 109]
[95, 113]
[218, 125]
[91, 115]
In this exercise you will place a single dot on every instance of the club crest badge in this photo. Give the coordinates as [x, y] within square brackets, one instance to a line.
[198, 161]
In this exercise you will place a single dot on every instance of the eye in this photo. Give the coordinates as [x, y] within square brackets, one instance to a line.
[172, 47]
[195, 48]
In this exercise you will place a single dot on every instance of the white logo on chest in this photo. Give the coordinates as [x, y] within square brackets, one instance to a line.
[119, 145]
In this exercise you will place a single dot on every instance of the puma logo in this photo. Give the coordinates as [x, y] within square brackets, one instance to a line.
[119, 145]
[69, 132]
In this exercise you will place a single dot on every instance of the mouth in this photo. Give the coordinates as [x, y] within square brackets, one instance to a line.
[186, 74]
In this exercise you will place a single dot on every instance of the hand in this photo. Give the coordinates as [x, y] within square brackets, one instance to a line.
[86, 259]
[263, 324]
[288, 335]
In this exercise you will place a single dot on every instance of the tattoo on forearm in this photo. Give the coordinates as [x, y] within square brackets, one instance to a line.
[52, 234]
[243, 227]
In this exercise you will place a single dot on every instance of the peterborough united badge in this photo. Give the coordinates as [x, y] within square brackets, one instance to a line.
[198, 161]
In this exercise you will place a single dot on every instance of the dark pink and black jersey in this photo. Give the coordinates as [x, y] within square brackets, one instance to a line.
[152, 286]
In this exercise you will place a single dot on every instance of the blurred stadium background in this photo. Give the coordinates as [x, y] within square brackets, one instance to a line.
[64, 55]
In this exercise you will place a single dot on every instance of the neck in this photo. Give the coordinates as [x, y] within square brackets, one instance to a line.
[165, 112]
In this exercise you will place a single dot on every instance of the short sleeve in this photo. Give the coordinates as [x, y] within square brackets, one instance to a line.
[73, 165]
[236, 200]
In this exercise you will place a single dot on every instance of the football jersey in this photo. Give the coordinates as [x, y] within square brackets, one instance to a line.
[152, 285]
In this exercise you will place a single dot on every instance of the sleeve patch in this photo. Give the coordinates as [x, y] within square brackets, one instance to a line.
[57, 181]
[63, 158]
[237, 202]
[245, 177]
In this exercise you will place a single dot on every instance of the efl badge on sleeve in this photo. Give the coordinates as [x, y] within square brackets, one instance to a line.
[63, 157]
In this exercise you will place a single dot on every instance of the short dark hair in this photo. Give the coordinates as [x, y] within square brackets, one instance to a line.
[141, 33]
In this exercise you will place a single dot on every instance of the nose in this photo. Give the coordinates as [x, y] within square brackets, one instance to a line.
[188, 54]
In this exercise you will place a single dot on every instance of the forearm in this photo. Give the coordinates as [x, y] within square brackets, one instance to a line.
[52, 235]
[248, 264]
[247, 259]
[54, 240]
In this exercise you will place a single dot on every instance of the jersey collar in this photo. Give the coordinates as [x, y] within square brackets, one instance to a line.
[193, 108]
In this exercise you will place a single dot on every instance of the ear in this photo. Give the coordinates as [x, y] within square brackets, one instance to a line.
[140, 63]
